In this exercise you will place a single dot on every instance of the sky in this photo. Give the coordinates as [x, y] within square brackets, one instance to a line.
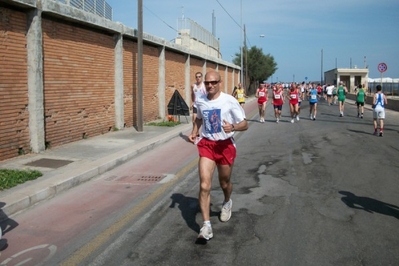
[305, 37]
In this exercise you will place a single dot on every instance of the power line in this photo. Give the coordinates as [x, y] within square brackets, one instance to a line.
[160, 19]
[232, 19]
[229, 14]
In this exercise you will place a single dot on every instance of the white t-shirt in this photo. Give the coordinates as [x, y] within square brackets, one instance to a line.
[214, 112]
[329, 90]
[198, 92]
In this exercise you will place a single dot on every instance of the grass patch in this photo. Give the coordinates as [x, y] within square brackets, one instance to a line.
[11, 178]
[164, 124]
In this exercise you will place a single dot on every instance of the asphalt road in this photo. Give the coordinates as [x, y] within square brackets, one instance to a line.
[321, 192]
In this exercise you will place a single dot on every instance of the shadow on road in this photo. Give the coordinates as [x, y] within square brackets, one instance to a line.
[189, 208]
[369, 205]
[184, 137]
[6, 225]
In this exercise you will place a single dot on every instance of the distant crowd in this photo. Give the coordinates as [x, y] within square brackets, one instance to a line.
[295, 93]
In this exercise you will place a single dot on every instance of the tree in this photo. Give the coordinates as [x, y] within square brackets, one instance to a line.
[259, 66]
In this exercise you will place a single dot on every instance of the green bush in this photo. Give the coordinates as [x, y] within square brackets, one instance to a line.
[164, 124]
[11, 178]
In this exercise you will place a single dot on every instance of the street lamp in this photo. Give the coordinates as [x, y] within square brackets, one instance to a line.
[261, 37]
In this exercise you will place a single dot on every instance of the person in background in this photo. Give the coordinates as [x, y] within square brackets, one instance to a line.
[319, 91]
[240, 95]
[197, 90]
[220, 115]
[293, 95]
[313, 95]
[341, 92]
[379, 102]
[261, 94]
[301, 96]
[360, 97]
[334, 94]
[329, 93]
[278, 101]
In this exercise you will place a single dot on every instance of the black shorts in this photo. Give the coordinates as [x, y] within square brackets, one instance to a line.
[195, 110]
[360, 104]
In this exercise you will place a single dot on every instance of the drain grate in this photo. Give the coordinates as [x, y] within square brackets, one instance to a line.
[150, 178]
[135, 178]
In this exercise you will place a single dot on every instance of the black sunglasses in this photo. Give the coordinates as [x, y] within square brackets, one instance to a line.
[198, 77]
[213, 82]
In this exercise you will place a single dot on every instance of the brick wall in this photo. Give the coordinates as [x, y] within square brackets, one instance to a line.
[129, 56]
[79, 80]
[195, 66]
[150, 83]
[175, 79]
[14, 115]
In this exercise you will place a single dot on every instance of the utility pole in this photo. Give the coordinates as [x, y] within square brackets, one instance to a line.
[241, 45]
[246, 57]
[321, 73]
[140, 67]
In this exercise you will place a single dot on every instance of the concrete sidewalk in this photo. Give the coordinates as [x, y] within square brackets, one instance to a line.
[69, 165]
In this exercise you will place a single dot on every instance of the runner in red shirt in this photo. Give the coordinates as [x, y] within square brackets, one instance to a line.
[278, 101]
[319, 91]
[261, 94]
[293, 96]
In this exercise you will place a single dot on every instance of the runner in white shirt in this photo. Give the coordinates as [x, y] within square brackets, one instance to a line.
[329, 92]
[219, 116]
[197, 89]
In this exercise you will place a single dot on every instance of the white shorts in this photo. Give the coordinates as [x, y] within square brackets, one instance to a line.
[379, 113]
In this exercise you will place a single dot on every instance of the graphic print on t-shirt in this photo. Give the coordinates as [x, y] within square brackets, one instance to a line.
[213, 122]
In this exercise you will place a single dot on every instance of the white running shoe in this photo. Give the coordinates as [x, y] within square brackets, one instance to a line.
[292, 120]
[297, 117]
[205, 232]
[225, 214]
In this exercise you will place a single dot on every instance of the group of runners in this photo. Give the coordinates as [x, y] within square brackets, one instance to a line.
[294, 96]
[333, 95]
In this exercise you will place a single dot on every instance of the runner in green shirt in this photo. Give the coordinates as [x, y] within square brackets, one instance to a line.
[341, 92]
[360, 96]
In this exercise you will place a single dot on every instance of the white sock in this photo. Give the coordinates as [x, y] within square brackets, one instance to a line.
[208, 223]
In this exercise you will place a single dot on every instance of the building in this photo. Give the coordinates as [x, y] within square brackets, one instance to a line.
[351, 77]
[194, 37]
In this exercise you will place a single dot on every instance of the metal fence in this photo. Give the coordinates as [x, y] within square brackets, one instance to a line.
[98, 7]
[389, 88]
[198, 32]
